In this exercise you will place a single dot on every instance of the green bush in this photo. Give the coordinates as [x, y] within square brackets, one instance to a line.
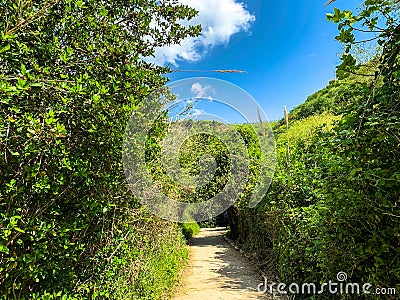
[190, 229]
[71, 77]
[333, 204]
[148, 265]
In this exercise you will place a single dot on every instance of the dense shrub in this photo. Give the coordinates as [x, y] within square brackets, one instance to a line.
[71, 76]
[190, 229]
[334, 202]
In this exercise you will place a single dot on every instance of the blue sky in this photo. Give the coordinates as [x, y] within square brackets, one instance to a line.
[287, 48]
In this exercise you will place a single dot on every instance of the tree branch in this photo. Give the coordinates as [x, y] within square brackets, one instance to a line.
[32, 17]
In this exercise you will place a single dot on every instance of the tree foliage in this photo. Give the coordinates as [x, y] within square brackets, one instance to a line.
[72, 73]
[334, 202]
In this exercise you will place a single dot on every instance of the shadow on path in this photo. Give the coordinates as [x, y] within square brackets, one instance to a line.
[217, 271]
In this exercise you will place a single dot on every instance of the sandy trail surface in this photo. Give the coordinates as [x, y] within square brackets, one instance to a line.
[217, 271]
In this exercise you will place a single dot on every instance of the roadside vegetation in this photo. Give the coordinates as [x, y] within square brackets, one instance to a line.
[334, 203]
[72, 74]
[190, 229]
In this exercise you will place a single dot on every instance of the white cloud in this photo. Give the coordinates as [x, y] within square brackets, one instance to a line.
[220, 19]
[201, 91]
[197, 112]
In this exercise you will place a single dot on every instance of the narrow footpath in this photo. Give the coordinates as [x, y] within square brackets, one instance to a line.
[217, 271]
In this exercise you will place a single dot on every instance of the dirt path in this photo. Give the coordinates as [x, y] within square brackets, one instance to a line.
[217, 271]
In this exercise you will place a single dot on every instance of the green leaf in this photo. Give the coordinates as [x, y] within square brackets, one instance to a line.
[4, 249]
[354, 171]
[379, 261]
[19, 229]
[23, 69]
[5, 48]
